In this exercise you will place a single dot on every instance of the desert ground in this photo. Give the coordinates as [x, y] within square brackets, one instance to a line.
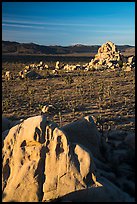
[83, 148]
[108, 95]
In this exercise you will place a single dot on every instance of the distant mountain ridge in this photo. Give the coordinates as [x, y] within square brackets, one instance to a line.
[32, 48]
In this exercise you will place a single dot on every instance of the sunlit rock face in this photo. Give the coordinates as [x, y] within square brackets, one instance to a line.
[42, 162]
[39, 163]
[108, 56]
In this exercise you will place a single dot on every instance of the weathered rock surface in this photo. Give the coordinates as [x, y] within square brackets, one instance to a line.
[46, 164]
[42, 162]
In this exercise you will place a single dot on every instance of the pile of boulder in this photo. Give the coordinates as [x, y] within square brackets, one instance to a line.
[69, 68]
[43, 162]
[109, 57]
[29, 70]
[40, 66]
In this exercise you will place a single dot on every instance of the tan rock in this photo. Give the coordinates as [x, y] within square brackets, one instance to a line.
[109, 64]
[108, 56]
[40, 164]
[8, 75]
[41, 63]
[21, 155]
[127, 69]
[46, 66]
[27, 67]
[57, 65]
[131, 60]
[22, 73]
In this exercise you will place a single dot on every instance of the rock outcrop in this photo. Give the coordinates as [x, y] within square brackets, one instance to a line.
[109, 57]
[42, 162]
[47, 166]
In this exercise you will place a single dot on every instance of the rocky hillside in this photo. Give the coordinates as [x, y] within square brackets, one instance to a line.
[31, 48]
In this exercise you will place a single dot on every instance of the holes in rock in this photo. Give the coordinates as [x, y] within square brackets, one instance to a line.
[59, 148]
[22, 162]
[59, 139]
[18, 186]
[19, 128]
[37, 134]
[9, 147]
[14, 136]
[88, 180]
[11, 153]
[23, 144]
[29, 157]
[28, 167]
[47, 143]
[11, 142]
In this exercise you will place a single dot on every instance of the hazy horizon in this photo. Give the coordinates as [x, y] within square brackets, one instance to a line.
[66, 45]
[69, 23]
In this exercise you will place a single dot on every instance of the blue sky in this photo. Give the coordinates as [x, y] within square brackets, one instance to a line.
[69, 23]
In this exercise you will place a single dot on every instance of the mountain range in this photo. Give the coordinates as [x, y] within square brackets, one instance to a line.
[78, 49]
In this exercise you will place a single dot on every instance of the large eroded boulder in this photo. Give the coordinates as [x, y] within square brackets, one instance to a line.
[42, 163]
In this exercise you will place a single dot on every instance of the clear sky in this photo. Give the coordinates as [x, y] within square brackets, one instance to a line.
[69, 23]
